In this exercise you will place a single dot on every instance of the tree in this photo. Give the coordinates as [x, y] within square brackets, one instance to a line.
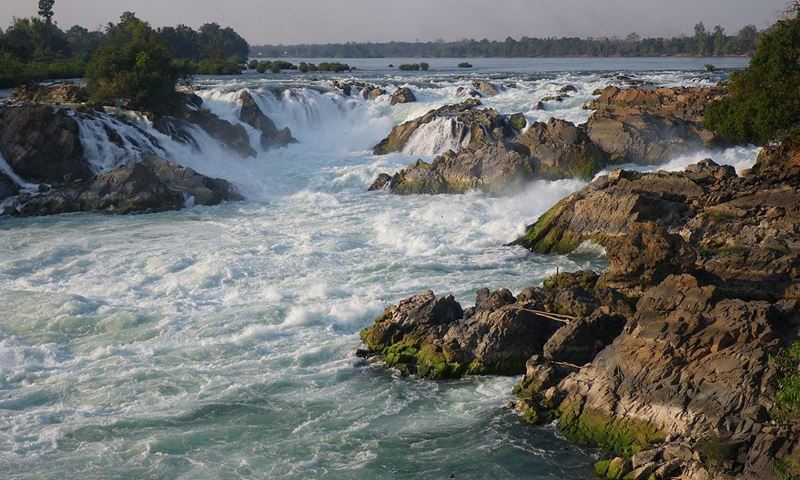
[46, 12]
[763, 105]
[134, 67]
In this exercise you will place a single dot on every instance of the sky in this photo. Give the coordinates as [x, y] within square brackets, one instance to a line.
[321, 21]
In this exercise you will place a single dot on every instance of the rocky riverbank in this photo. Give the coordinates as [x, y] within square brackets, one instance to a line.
[50, 171]
[497, 154]
[666, 361]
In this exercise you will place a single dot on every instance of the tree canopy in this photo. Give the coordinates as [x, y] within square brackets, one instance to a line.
[763, 104]
[135, 66]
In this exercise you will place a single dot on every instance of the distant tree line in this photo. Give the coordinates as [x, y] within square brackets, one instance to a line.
[38, 49]
[703, 43]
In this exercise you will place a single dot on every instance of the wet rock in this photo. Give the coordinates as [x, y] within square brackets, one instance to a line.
[41, 143]
[234, 137]
[204, 190]
[130, 189]
[8, 187]
[562, 150]
[486, 88]
[381, 182]
[252, 115]
[568, 89]
[402, 95]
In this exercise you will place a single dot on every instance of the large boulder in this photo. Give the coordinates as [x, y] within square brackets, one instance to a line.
[42, 143]
[562, 150]
[234, 137]
[482, 126]
[486, 88]
[650, 126]
[204, 190]
[130, 189]
[492, 168]
[252, 115]
[402, 95]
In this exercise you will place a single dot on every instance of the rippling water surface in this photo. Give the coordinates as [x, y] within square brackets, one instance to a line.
[217, 342]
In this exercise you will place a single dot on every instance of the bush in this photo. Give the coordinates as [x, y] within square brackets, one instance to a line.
[252, 64]
[333, 67]
[787, 400]
[408, 67]
[763, 104]
[464, 65]
[303, 67]
[134, 66]
[262, 67]
[279, 65]
[424, 66]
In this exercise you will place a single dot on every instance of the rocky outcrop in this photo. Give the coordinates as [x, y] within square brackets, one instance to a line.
[252, 115]
[491, 168]
[365, 90]
[487, 88]
[670, 361]
[69, 93]
[650, 126]
[483, 125]
[234, 137]
[41, 143]
[149, 185]
[562, 150]
[402, 95]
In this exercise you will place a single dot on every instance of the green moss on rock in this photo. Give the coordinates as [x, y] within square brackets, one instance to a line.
[621, 435]
[546, 236]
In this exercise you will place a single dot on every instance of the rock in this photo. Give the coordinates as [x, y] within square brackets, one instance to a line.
[61, 93]
[562, 150]
[130, 189]
[567, 89]
[234, 137]
[464, 92]
[517, 121]
[365, 90]
[402, 95]
[493, 168]
[581, 340]
[204, 190]
[41, 143]
[650, 126]
[381, 182]
[481, 124]
[430, 336]
[8, 187]
[486, 88]
[252, 115]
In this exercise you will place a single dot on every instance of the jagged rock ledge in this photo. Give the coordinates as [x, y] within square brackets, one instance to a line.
[40, 140]
[634, 125]
[666, 360]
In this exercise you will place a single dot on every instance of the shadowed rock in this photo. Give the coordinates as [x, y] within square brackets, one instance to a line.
[252, 115]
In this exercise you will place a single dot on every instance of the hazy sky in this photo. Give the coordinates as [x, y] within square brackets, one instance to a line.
[314, 21]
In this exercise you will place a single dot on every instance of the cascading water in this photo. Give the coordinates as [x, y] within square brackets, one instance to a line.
[217, 342]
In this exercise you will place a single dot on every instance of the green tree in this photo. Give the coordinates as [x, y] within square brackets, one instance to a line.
[133, 67]
[763, 104]
[46, 12]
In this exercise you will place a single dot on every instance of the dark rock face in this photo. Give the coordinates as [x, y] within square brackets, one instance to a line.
[562, 150]
[252, 115]
[232, 136]
[150, 185]
[433, 337]
[649, 126]
[204, 190]
[8, 187]
[381, 182]
[41, 143]
[365, 90]
[579, 342]
[402, 95]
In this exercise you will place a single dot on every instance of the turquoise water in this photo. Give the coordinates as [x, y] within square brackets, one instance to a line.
[218, 342]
